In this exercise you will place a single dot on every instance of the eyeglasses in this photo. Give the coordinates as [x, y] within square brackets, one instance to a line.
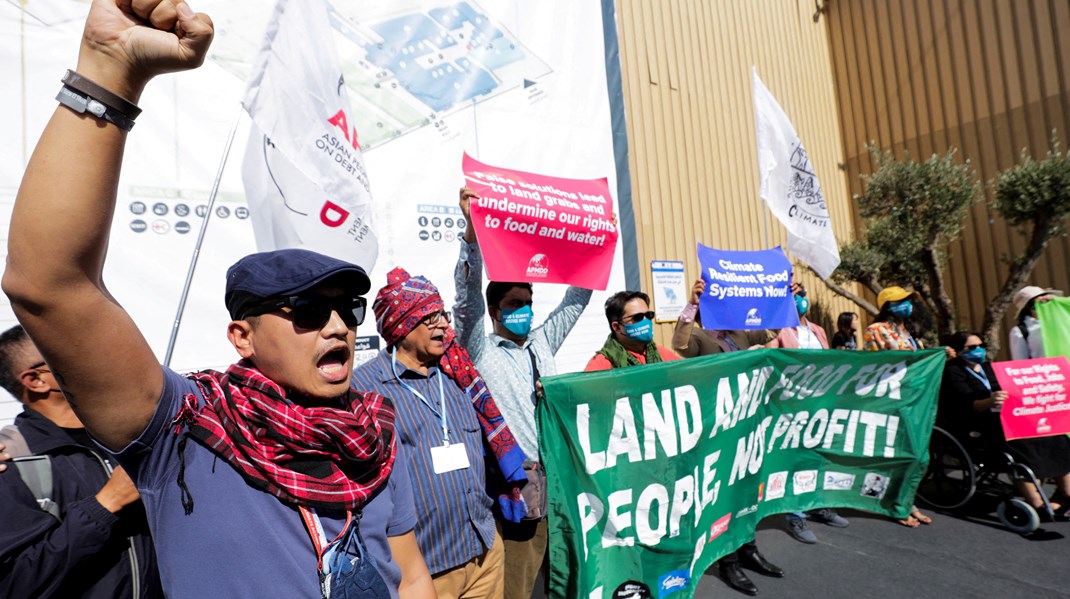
[314, 311]
[433, 319]
[975, 346]
[638, 317]
[40, 366]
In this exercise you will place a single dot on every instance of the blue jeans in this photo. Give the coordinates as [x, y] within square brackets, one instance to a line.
[795, 516]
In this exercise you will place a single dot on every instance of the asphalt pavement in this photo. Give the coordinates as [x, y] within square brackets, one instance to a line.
[959, 555]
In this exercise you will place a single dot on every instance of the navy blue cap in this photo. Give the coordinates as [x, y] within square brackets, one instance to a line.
[280, 273]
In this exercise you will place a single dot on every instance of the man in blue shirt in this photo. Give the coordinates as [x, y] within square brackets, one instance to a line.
[442, 405]
[512, 358]
[293, 485]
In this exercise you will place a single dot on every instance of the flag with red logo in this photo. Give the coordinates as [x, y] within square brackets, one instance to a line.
[304, 171]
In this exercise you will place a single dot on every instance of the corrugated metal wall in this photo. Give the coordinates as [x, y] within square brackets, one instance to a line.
[687, 90]
[989, 77]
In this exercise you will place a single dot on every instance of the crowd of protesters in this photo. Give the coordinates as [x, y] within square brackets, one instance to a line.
[290, 474]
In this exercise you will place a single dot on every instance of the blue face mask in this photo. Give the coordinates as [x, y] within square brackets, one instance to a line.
[902, 309]
[974, 356]
[642, 331]
[801, 304]
[518, 321]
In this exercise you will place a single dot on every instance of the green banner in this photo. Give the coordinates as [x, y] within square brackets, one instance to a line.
[654, 472]
[1054, 319]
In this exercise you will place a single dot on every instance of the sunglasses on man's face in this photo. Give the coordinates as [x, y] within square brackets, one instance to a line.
[314, 311]
[638, 317]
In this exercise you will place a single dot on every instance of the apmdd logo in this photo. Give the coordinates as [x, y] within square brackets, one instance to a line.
[753, 318]
[1043, 426]
[673, 581]
[538, 266]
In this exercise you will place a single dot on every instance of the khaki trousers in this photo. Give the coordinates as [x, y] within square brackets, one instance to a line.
[525, 555]
[480, 578]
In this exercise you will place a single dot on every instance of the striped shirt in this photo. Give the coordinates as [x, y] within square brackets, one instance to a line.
[454, 520]
[504, 365]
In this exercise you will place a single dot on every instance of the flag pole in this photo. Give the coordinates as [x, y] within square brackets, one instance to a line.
[475, 126]
[200, 240]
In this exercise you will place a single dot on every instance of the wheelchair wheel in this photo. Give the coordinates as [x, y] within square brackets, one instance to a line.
[950, 481]
[1018, 516]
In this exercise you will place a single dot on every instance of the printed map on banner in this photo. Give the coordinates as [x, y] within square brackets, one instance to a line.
[427, 81]
[406, 64]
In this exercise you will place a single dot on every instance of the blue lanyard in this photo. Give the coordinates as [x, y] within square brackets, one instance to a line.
[441, 412]
[981, 377]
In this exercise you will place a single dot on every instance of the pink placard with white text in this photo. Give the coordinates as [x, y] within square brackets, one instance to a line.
[1038, 397]
[542, 229]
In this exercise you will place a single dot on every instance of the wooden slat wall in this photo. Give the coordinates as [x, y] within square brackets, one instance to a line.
[986, 76]
[687, 90]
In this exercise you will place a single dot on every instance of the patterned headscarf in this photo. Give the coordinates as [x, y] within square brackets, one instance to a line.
[403, 303]
[399, 307]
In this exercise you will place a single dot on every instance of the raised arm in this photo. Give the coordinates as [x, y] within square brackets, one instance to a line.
[684, 342]
[54, 264]
[469, 307]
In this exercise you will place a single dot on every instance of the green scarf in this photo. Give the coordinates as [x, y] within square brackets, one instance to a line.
[619, 357]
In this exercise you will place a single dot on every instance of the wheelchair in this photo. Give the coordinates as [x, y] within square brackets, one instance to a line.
[957, 474]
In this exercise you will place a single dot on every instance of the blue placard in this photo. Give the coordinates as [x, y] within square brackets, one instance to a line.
[746, 290]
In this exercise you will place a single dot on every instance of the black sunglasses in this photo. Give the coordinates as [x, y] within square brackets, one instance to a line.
[975, 346]
[638, 317]
[432, 320]
[313, 311]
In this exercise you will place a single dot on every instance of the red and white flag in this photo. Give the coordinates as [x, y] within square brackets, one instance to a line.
[304, 171]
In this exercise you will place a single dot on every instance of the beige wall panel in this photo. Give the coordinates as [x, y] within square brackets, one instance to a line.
[987, 76]
[690, 118]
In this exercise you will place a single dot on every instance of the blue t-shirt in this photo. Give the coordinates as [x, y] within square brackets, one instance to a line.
[239, 541]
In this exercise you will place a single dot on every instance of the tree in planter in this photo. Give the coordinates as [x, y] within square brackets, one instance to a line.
[1033, 196]
[912, 210]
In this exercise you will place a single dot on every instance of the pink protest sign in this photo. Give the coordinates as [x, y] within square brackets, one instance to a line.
[1038, 397]
[542, 229]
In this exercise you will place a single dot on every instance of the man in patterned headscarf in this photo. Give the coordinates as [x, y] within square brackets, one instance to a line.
[453, 433]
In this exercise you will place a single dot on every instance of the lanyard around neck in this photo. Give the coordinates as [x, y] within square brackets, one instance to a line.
[440, 411]
[980, 376]
[810, 338]
[319, 539]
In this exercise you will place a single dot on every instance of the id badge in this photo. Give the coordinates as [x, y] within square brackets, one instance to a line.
[447, 458]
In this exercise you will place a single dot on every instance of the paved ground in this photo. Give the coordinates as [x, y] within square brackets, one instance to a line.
[960, 555]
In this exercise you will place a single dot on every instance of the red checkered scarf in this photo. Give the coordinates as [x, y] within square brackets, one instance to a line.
[313, 456]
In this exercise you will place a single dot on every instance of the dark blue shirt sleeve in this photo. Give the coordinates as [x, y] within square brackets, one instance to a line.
[37, 552]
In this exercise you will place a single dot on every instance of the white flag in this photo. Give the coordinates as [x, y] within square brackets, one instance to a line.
[789, 185]
[304, 171]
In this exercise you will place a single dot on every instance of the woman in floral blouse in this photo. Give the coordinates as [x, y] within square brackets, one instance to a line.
[890, 332]
[890, 329]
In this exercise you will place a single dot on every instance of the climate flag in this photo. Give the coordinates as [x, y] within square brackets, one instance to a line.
[789, 185]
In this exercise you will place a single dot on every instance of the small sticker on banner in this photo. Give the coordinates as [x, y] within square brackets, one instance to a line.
[447, 458]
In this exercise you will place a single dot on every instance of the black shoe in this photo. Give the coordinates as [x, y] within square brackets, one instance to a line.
[752, 559]
[734, 576]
